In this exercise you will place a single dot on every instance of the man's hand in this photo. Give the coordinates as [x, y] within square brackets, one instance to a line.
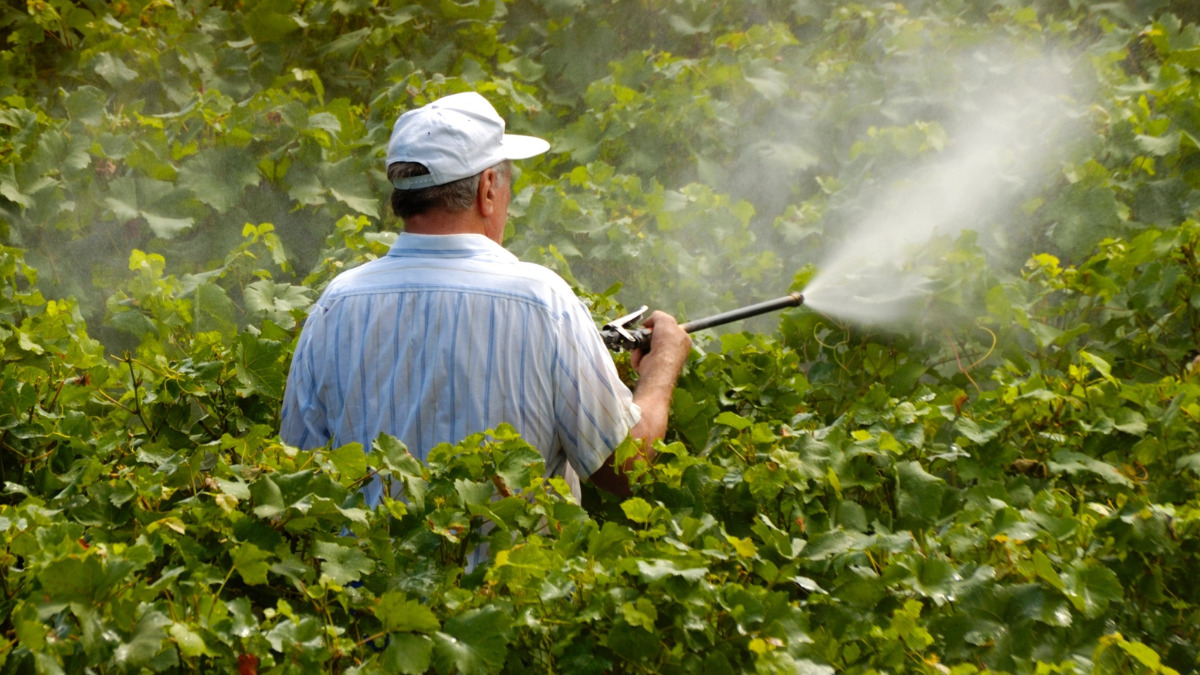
[657, 373]
[669, 349]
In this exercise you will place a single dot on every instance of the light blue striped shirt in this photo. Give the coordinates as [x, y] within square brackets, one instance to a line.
[450, 335]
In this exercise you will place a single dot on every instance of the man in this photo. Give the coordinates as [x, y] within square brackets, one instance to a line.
[450, 334]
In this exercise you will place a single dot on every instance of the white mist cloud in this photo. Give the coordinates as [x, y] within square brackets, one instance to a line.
[1010, 127]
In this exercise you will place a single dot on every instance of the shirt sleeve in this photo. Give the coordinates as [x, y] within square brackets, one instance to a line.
[303, 422]
[594, 410]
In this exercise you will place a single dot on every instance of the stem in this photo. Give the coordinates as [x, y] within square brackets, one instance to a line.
[958, 360]
[55, 398]
[113, 401]
[137, 404]
[372, 638]
[218, 593]
[33, 408]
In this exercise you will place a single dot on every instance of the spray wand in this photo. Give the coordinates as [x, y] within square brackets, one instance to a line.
[619, 337]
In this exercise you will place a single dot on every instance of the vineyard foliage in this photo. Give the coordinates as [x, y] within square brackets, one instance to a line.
[1008, 484]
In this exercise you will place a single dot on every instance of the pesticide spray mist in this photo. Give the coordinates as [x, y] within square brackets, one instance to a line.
[1003, 144]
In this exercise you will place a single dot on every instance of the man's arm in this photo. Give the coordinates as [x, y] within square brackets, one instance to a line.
[657, 374]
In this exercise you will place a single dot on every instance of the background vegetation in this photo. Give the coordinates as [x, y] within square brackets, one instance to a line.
[1010, 487]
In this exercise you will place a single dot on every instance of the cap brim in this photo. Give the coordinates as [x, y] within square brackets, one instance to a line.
[516, 146]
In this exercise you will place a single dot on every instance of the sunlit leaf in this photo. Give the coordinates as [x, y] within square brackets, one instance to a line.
[398, 613]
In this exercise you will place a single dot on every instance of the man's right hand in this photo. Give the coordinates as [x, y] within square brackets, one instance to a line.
[669, 349]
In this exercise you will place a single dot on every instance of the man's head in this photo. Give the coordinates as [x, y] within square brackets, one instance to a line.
[437, 153]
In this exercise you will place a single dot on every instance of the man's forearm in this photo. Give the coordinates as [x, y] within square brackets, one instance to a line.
[653, 396]
[657, 373]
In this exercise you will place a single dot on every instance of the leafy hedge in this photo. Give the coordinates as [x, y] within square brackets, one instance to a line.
[1009, 486]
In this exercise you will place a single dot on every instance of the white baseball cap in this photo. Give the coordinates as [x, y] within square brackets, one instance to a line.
[454, 137]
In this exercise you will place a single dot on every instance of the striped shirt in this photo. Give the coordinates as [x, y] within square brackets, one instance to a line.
[450, 335]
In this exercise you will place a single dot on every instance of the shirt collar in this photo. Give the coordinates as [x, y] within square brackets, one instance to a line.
[408, 245]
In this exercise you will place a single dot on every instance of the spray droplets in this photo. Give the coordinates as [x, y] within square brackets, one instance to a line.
[1010, 126]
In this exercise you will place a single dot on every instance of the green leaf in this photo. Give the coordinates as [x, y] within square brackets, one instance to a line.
[166, 227]
[936, 579]
[347, 182]
[640, 613]
[519, 466]
[632, 642]
[10, 188]
[733, 420]
[656, 570]
[212, 310]
[1145, 655]
[918, 494]
[1129, 421]
[399, 614]
[980, 432]
[258, 365]
[473, 642]
[342, 564]
[1159, 146]
[767, 81]
[28, 628]
[1045, 570]
[251, 563]
[1100, 365]
[474, 493]
[1191, 462]
[276, 301]
[145, 640]
[351, 463]
[154, 201]
[1092, 587]
[236, 488]
[58, 149]
[269, 21]
[610, 540]
[86, 104]
[1069, 462]
[716, 663]
[190, 644]
[244, 623]
[71, 579]
[219, 176]
[408, 653]
[637, 509]
[295, 635]
[268, 498]
[110, 66]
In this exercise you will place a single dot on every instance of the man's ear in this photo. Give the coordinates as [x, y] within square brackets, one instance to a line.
[485, 198]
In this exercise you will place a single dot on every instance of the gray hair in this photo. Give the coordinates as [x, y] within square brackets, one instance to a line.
[458, 195]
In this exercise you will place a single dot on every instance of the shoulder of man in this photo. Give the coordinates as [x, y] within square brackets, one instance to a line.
[555, 288]
[347, 279]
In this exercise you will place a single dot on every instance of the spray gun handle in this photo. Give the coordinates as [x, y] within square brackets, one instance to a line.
[619, 337]
[639, 339]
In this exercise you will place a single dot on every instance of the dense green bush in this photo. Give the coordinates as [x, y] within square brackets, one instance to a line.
[1008, 483]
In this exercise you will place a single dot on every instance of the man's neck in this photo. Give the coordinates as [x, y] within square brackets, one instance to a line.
[444, 222]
